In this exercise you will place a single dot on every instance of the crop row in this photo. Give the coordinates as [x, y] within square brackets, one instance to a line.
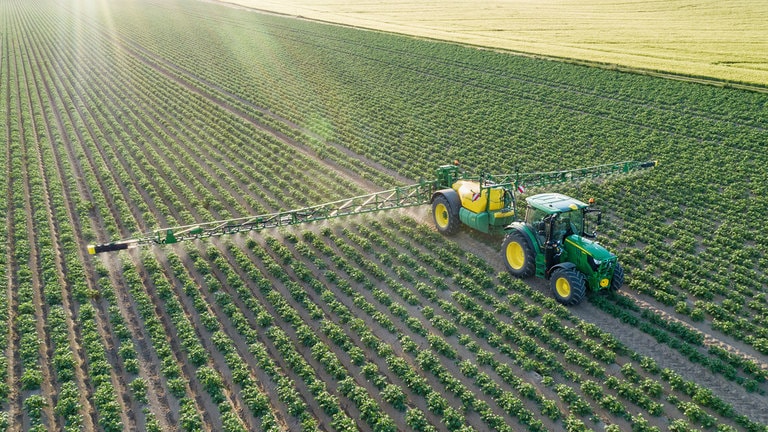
[83, 132]
[7, 208]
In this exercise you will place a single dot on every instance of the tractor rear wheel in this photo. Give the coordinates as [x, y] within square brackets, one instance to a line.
[446, 218]
[519, 257]
[618, 277]
[568, 286]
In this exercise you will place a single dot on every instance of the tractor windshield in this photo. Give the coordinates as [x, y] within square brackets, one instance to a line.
[568, 223]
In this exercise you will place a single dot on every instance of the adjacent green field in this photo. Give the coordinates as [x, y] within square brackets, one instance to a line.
[126, 116]
[723, 40]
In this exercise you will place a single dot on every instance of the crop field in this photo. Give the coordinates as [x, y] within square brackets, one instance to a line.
[723, 40]
[120, 117]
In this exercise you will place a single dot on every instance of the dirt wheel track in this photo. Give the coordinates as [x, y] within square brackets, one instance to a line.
[122, 162]
[750, 404]
[726, 342]
[197, 392]
[233, 397]
[643, 345]
[634, 339]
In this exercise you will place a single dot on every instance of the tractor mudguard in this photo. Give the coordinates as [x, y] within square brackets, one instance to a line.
[451, 195]
[563, 265]
[446, 207]
[533, 241]
[526, 231]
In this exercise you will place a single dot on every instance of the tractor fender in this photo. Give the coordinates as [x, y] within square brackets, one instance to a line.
[451, 195]
[526, 231]
[564, 265]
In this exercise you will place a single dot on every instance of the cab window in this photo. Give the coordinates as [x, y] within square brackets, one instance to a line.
[568, 223]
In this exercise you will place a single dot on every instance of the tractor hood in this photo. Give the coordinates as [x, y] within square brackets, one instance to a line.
[589, 247]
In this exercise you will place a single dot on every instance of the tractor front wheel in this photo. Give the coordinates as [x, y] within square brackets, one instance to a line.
[519, 257]
[568, 286]
[446, 218]
[618, 277]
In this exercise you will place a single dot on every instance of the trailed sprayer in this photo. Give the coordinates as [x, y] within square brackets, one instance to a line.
[554, 239]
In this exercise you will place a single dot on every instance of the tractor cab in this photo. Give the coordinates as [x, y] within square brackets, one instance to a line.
[555, 217]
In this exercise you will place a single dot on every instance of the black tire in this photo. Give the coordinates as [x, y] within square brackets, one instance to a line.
[518, 255]
[618, 277]
[568, 286]
[445, 216]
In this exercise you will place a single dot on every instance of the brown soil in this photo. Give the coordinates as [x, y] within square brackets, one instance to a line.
[173, 72]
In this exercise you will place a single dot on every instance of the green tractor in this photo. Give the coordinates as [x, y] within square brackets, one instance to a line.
[552, 242]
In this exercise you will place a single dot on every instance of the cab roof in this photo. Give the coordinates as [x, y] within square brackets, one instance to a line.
[554, 203]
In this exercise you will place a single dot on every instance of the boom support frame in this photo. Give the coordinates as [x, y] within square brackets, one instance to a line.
[401, 197]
